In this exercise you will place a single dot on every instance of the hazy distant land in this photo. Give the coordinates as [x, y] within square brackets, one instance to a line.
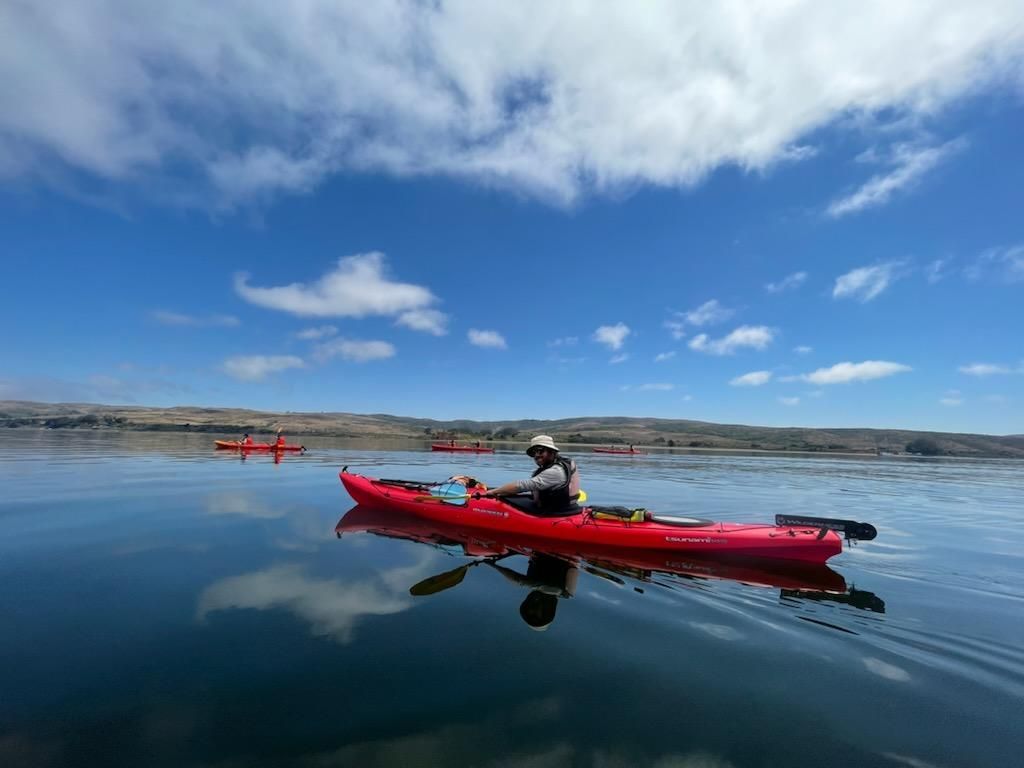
[597, 430]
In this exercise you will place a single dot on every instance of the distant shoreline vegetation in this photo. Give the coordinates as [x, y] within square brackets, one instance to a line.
[583, 431]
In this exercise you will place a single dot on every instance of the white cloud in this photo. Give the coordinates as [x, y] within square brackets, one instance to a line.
[840, 373]
[790, 401]
[789, 282]
[1005, 264]
[177, 319]
[353, 350]
[658, 387]
[331, 607]
[256, 98]
[612, 335]
[491, 339]
[661, 357]
[757, 336]
[911, 163]
[983, 369]
[752, 379]
[865, 283]
[427, 320]
[616, 359]
[356, 287]
[803, 349]
[312, 334]
[257, 367]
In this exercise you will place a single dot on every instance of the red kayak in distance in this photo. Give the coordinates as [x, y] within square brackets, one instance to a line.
[624, 451]
[234, 445]
[459, 448]
[639, 564]
[805, 539]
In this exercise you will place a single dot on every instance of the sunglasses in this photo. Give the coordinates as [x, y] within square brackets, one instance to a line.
[535, 452]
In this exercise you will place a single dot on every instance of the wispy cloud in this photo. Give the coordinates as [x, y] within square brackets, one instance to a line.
[936, 270]
[789, 282]
[487, 339]
[1005, 264]
[320, 332]
[984, 369]
[803, 349]
[841, 373]
[427, 320]
[790, 401]
[661, 357]
[865, 283]
[754, 336]
[357, 287]
[952, 398]
[910, 164]
[196, 321]
[617, 359]
[657, 387]
[258, 367]
[614, 336]
[275, 101]
[708, 313]
[752, 379]
[565, 341]
[353, 350]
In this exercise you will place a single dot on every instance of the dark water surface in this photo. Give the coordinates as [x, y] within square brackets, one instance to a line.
[162, 604]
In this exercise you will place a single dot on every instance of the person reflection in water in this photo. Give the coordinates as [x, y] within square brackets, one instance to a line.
[549, 579]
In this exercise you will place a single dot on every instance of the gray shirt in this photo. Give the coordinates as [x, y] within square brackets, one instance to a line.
[552, 477]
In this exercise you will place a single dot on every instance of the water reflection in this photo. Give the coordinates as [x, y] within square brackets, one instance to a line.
[553, 575]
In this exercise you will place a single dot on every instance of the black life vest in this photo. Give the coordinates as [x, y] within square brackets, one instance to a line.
[563, 496]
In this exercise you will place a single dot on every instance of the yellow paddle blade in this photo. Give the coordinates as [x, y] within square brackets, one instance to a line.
[582, 497]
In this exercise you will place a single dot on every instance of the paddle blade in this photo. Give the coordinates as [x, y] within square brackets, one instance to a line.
[439, 583]
[582, 497]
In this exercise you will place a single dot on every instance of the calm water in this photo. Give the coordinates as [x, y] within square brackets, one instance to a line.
[165, 605]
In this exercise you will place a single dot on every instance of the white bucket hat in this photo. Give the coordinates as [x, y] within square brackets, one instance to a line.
[541, 441]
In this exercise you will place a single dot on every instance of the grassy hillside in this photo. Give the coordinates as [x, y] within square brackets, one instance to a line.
[596, 430]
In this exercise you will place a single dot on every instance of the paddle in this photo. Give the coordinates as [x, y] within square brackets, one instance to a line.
[582, 497]
[440, 582]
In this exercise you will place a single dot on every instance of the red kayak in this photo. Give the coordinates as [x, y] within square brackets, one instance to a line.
[638, 564]
[235, 445]
[625, 451]
[808, 539]
[459, 448]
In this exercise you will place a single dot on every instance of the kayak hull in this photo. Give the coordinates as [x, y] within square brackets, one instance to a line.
[638, 563]
[761, 541]
[234, 445]
[459, 448]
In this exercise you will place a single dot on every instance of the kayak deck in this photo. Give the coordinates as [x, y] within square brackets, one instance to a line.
[459, 448]
[806, 543]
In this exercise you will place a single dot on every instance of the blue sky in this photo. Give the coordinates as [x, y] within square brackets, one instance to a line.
[807, 215]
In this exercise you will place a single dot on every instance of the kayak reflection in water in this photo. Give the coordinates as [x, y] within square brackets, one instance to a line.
[548, 578]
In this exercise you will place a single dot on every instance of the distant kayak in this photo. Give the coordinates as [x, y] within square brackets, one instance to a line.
[459, 448]
[235, 445]
[624, 451]
[806, 539]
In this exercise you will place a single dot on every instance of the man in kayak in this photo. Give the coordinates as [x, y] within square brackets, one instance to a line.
[554, 485]
[246, 439]
[280, 439]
